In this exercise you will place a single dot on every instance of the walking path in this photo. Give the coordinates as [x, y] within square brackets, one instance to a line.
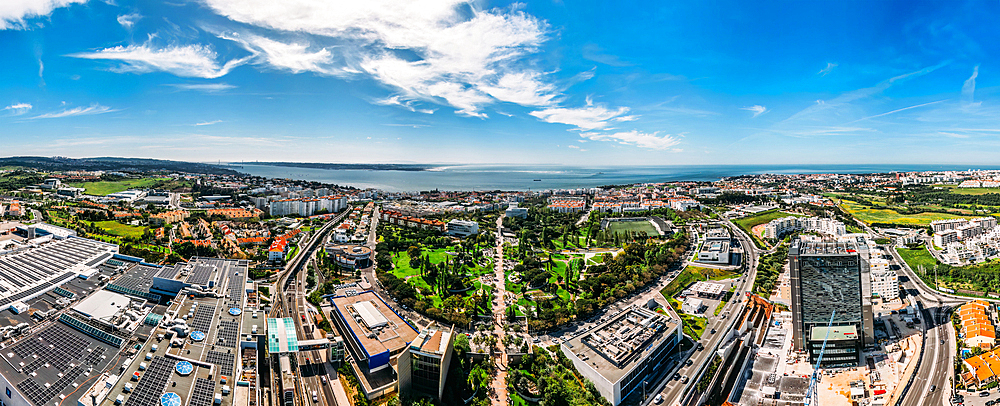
[499, 384]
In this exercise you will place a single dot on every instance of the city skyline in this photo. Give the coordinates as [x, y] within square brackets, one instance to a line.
[499, 82]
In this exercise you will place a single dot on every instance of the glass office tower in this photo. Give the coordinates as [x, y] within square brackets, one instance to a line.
[827, 277]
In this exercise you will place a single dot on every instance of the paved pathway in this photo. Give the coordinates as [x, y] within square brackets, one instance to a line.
[499, 384]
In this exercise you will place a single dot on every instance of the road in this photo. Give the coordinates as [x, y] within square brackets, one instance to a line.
[673, 391]
[291, 302]
[935, 367]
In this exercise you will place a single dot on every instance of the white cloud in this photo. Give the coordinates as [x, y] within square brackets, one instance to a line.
[591, 117]
[756, 109]
[204, 87]
[969, 89]
[293, 57]
[13, 13]
[208, 122]
[188, 61]
[409, 105]
[18, 109]
[129, 20]
[637, 138]
[829, 68]
[78, 111]
[455, 54]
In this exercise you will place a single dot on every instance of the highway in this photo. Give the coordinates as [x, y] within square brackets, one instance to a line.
[936, 364]
[291, 302]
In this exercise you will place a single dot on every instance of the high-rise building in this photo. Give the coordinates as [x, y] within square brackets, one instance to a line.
[828, 277]
[423, 365]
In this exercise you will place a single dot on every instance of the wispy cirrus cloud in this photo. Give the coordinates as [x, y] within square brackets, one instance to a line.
[969, 90]
[826, 71]
[636, 138]
[407, 104]
[590, 117]
[203, 87]
[294, 57]
[14, 13]
[756, 109]
[213, 122]
[77, 111]
[18, 109]
[181, 60]
[128, 20]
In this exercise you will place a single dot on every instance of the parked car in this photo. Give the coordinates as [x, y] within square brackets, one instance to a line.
[688, 363]
[684, 380]
[658, 399]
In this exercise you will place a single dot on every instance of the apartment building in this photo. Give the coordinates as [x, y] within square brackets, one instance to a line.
[778, 228]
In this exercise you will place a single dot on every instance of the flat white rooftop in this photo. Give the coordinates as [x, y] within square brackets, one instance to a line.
[370, 315]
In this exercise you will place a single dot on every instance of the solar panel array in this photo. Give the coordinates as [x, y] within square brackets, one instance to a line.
[229, 334]
[61, 350]
[152, 383]
[26, 268]
[203, 393]
[200, 273]
[203, 316]
[40, 394]
[169, 272]
[56, 344]
[223, 359]
[138, 278]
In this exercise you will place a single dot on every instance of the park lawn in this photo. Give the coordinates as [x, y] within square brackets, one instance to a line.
[869, 215]
[104, 188]
[402, 268]
[633, 226]
[917, 257]
[119, 229]
[748, 223]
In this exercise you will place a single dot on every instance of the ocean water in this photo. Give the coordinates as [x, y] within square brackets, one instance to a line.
[541, 177]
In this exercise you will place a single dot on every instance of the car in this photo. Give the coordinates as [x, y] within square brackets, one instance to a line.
[942, 342]
[315, 397]
[658, 399]
[933, 388]
[984, 394]
[688, 363]
[990, 402]
[677, 376]
[713, 331]
[684, 380]
[322, 378]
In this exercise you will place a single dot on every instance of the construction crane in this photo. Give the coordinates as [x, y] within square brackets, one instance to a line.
[811, 393]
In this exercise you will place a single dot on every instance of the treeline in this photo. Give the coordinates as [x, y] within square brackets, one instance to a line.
[768, 269]
[731, 198]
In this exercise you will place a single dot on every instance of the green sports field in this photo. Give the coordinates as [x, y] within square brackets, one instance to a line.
[633, 226]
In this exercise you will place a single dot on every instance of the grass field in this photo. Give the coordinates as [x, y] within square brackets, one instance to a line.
[119, 229]
[633, 226]
[106, 188]
[974, 191]
[748, 223]
[869, 215]
[693, 274]
[917, 257]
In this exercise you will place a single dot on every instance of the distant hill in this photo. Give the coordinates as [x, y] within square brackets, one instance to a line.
[113, 164]
[363, 167]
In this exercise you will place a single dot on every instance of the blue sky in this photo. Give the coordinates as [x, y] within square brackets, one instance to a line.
[561, 82]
